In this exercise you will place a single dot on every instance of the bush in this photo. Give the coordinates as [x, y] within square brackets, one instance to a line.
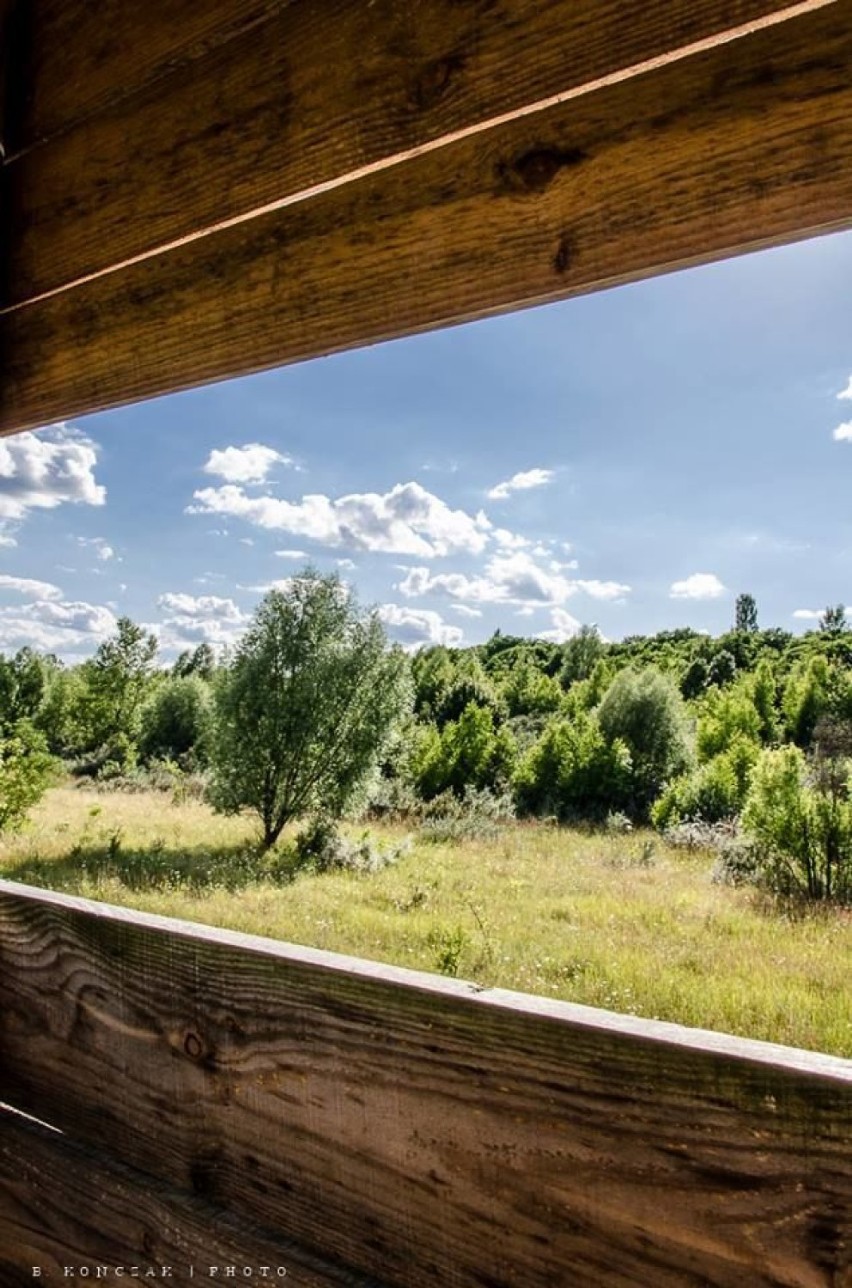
[26, 772]
[573, 773]
[477, 815]
[322, 848]
[712, 792]
[644, 712]
[800, 824]
[177, 722]
[470, 752]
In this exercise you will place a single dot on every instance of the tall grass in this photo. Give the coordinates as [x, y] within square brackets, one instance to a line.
[621, 922]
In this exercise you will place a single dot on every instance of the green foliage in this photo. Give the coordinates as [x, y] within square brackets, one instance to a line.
[306, 708]
[645, 711]
[573, 772]
[201, 661]
[745, 613]
[22, 684]
[713, 792]
[528, 692]
[800, 824]
[115, 683]
[807, 697]
[833, 620]
[580, 655]
[722, 669]
[26, 771]
[696, 678]
[176, 721]
[724, 716]
[469, 752]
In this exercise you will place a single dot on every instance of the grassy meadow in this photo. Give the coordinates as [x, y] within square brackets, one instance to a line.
[622, 922]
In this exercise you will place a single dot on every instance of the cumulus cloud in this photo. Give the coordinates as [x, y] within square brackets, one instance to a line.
[413, 627]
[464, 610]
[199, 619]
[248, 464]
[281, 583]
[513, 578]
[510, 540]
[847, 392]
[41, 471]
[564, 626]
[701, 585]
[6, 539]
[407, 520]
[27, 586]
[291, 554]
[56, 627]
[612, 590]
[843, 433]
[807, 614]
[520, 482]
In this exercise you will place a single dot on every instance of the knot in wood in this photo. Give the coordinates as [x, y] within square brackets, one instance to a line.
[536, 170]
[193, 1046]
[434, 80]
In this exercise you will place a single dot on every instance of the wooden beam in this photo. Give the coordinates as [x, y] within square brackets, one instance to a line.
[318, 93]
[742, 147]
[77, 57]
[63, 1205]
[417, 1128]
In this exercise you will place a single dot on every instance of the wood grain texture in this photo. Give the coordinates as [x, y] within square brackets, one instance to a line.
[317, 92]
[735, 149]
[419, 1130]
[78, 57]
[62, 1204]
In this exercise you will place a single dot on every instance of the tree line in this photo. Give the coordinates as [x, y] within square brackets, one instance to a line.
[314, 714]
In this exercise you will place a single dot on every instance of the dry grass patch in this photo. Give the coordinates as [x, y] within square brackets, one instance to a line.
[621, 922]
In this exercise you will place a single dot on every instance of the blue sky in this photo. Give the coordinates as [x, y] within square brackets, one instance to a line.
[633, 458]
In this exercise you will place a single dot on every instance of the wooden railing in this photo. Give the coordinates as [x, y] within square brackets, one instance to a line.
[213, 1102]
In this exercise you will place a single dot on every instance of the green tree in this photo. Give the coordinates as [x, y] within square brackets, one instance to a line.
[833, 620]
[572, 772]
[200, 661]
[645, 711]
[580, 655]
[116, 682]
[177, 721]
[26, 771]
[800, 822]
[745, 613]
[305, 709]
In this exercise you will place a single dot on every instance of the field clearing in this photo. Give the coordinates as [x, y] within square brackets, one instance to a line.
[625, 923]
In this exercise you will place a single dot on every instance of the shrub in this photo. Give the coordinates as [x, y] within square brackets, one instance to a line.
[800, 824]
[26, 771]
[477, 815]
[572, 772]
[644, 711]
[322, 848]
[712, 792]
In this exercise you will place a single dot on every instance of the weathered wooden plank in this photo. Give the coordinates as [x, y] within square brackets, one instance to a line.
[63, 1205]
[76, 57]
[319, 92]
[734, 149]
[416, 1128]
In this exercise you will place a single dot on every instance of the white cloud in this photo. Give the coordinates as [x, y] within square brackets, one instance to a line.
[807, 614]
[291, 554]
[248, 464]
[102, 549]
[246, 541]
[408, 520]
[564, 626]
[604, 589]
[412, 627]
[520, 482]
[508, 579]
[843, 433]
[56, 627]
[197, 619]
[26, 586]
[346, 564]
[464, 610]
[701, 585]
[847, 392]
[41, 471]
[281, 583]
[510, 540]
[6, 539]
